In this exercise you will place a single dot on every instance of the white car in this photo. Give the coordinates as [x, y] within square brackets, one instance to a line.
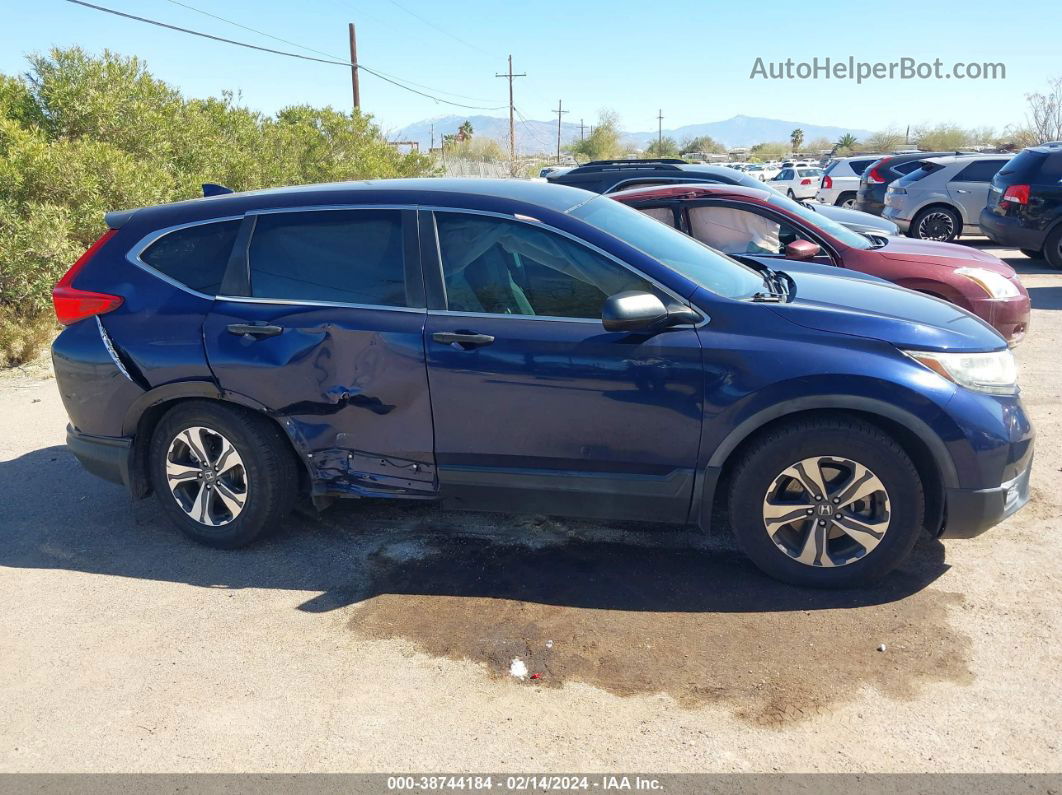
[798, 183]
[840, 180]
[760, 171]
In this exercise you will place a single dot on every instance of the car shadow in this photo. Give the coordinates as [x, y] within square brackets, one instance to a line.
[1046, 297]
[1022, 265]
[58, 516]
[630, 608]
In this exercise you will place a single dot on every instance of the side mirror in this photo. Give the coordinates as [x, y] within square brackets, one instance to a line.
[633, 311]
[802, 250]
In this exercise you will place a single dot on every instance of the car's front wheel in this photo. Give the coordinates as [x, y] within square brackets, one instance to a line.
[826, 503]
[223, 475]
[846, 200]
[936, 223]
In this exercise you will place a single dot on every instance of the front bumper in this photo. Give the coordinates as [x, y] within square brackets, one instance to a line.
[1009, 316]
[107, 457]
[971, 512]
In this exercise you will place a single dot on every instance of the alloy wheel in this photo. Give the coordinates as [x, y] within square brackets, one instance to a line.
[826, 511]
[936, 226]
[206, 476]
[849, 204]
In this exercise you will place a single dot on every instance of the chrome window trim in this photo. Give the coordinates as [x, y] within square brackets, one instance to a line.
[251, 299]
[457, 313]
[537, 224]
[134, 254]
[134, 257]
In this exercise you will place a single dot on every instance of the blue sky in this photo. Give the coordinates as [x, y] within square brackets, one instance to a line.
[691, 59]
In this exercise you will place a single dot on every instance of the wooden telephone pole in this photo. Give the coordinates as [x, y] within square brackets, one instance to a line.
[559, 111]
[354, 67]
[512, 120]
[659, 130]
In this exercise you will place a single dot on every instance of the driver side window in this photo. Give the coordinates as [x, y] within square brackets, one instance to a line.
[505, 267]
[738, 231]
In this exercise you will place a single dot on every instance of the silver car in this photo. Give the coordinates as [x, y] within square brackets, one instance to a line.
[944, 197]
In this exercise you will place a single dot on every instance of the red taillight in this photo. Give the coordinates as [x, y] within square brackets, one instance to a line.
[1018, 194]
[805, 182]
[875, 177]
[72, 304]
[827, 182]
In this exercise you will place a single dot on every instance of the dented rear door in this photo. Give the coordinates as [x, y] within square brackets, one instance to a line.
[322, 326]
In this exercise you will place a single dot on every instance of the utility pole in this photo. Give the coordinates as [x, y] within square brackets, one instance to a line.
[512, 120]
[659, 131]
[580, 129]
[354, 67]
[432, 137]
[559, 111]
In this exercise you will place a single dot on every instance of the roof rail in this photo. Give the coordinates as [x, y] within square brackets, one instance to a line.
[637, 161]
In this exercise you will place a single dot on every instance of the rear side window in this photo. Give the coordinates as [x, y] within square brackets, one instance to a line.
[979, 171]
[1034, 167]
[344, 256]
[908, 167]
[859, 166]
[195, 256]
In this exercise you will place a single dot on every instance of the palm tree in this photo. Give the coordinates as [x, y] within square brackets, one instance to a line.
[847, 142]
[464, 132]
[797, 139]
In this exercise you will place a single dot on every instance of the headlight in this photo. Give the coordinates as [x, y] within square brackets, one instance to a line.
[993, 372]
[995, 284]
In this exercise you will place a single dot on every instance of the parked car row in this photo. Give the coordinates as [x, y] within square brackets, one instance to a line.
[1015, 200]
[518, 346]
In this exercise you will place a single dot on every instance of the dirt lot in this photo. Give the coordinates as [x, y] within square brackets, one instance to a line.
[381, 637]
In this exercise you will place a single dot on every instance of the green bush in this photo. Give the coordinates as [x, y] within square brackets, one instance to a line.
[83, 134]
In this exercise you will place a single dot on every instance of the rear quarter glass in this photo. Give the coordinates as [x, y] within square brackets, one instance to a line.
[1028, 166]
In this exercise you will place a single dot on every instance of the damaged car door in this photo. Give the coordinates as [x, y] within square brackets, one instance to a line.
[322, 325]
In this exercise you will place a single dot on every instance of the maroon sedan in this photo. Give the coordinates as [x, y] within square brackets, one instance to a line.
[746, 221]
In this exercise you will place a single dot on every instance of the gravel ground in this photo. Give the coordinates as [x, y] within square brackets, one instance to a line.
[381, 637]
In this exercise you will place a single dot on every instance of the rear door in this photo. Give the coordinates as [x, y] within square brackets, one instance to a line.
[969, 187]
[322, 326]
[536, 406]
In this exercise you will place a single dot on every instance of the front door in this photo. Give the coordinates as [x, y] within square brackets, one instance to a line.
[325, 331]
[536, 406]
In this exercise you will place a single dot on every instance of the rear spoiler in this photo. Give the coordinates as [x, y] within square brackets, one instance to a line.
[116, 218]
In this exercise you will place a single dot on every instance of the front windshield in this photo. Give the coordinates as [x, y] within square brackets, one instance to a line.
[694, 260]
[819, 221]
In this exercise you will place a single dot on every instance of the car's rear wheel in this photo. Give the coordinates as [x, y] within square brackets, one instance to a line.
[223, 475]
[1031, 253]
[847, 200]
[936, 223]
[826, 503]
[1053, 248]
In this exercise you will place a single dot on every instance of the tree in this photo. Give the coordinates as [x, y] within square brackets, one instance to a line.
[819, 144]
[942, 137]
[604, 143]
[81, 135]
[846, 144]
[884, 141]
[702, 143]
[465, 130]
[797, 139]
[770, 150]
[664, 147]
[1045, 112]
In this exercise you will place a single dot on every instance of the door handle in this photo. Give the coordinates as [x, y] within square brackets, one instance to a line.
[254, 330]
[462, 338]
[960, 190]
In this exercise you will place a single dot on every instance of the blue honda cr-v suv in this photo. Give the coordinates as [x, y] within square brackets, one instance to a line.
[527, 347]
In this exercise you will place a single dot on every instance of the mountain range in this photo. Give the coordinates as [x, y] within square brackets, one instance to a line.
[541, 136]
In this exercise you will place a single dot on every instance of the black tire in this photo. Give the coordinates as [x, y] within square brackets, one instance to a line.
[761, 468]
[1031, 254]
[1053, 248]
[268, 471]
[846, 199]
[929, 214]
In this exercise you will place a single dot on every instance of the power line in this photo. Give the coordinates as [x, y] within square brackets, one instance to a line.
[319, 52]
[330, 60]
[431, 24]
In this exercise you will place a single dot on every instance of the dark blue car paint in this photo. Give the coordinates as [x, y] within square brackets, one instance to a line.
[555, 415]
